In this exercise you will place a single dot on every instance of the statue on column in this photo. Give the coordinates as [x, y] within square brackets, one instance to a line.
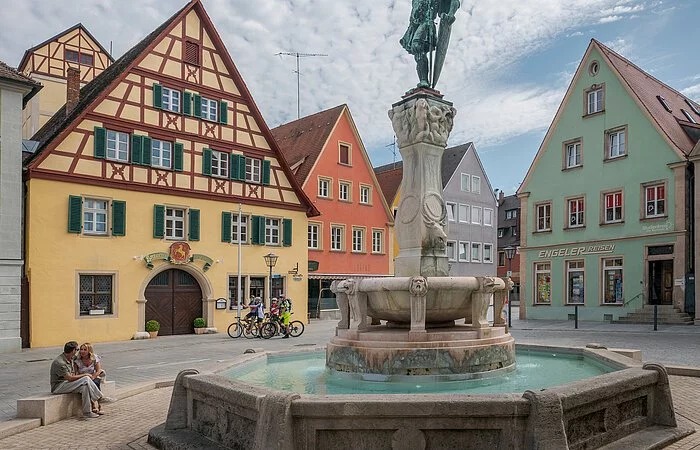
[422, 37]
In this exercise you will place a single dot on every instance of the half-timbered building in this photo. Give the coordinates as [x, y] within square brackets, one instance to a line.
[48, 64]
[135, 191]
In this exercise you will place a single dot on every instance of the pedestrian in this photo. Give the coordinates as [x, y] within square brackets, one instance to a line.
[64, 380]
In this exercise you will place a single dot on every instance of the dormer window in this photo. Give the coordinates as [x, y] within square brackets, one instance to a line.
[664, 103]
[688, 116]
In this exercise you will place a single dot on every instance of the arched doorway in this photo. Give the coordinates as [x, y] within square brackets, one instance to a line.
[174, 299]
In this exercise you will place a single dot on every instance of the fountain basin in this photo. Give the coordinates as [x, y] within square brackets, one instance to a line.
[219, 412]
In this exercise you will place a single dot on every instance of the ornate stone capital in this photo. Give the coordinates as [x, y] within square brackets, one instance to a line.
[422, 120]
[418, 286]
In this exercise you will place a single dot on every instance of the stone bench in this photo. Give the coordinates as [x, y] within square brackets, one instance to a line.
[51, 408]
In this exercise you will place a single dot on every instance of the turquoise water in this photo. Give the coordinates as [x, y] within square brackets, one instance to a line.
[306, 373]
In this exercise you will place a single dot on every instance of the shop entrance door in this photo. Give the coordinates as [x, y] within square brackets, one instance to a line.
[661, 282]
[174, 299]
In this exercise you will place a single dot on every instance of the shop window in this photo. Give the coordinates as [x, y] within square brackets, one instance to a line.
[257, 289]
[612, 281]
[96, 294]
[575, 282]
[233, 291]
[543, 283]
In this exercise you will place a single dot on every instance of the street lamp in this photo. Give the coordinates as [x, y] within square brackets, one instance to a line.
[510, 252]
[270, 260]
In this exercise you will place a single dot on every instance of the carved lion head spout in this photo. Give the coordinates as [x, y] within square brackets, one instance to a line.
[418, 286]
[346, 286]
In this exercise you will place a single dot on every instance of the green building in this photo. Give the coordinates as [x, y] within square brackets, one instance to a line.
[607, 206]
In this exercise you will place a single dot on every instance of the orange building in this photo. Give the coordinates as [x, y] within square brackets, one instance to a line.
[352, 236]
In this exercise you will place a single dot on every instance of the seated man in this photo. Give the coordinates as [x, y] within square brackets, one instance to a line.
[64, 380]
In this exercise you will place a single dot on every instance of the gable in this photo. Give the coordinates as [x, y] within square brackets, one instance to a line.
[125, 99]
[470, 164]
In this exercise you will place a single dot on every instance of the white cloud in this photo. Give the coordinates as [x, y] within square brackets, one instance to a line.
[609, 19]
[577, 33]
[692, 92]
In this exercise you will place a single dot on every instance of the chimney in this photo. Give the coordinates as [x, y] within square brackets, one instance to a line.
[501, 196]
[73, 89]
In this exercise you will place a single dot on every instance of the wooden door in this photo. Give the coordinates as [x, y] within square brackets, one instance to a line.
[661, 282]
[174, 299]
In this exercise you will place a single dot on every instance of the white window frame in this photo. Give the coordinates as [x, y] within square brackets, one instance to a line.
[594, 100]
[171, 99]
[358, 240]
[451, 211]
[463, 249]
[463, 213]
[175, 223]
[476, 184]
[451, 256]
[337, 238]
[95, 214]
[609, 265]
[488, 212]
[365, 195]
[234, 228]
[488, 260]
[465, 182]
[219, 164]
[344, 189]
[253, 170]
[655, 202]
[614, 207]
[120, 146]
[501, 232]
[210, 109]
[576, 212]
[572, 267]
[542, 268]
[476, 215]
[573, 154]
[475, 246]
[377, 241]
[543, 211]
[313, 235]
[324, 187]
[617, 143]
[161, 153]
[511, 214]
[273, 228]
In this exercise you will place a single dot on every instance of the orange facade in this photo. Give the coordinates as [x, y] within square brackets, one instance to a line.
[363, 215]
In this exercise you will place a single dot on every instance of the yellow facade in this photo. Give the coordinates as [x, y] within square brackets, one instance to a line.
[68, 166]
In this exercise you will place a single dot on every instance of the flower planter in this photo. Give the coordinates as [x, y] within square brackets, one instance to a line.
[200, 331]
[153, 334]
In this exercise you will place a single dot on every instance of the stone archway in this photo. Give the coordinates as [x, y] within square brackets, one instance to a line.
[208, 300]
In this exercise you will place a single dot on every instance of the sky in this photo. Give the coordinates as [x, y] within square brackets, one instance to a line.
[508, 65]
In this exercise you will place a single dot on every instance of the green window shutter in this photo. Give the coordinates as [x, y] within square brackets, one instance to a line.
[194, 225]
[226, 218]
[100, 144]
[223, 112]
[118, 218]
[287, 232]
[266, 172]
[146, 150]
[136, 149]
[177, 156]
[157, 96]
[158, 221]
[197, 105]
[235, 172]
[187, 103]
[75, 214]
[258, 233]
[206, 161]
[241, 168]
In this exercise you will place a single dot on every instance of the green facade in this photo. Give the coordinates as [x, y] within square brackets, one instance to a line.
[647, 160]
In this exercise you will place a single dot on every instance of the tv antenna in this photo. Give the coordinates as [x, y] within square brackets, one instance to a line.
[393, 151]
[298, 72]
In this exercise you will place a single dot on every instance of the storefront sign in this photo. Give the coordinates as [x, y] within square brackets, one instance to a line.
[313, 266]
[577, 251]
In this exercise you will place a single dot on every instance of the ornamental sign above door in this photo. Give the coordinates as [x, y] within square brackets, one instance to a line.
[178, 253]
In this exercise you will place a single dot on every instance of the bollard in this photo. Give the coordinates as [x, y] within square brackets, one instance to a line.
[576, 317]
[656, 316]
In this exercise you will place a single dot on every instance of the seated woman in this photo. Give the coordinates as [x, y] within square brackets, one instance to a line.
[86, 361]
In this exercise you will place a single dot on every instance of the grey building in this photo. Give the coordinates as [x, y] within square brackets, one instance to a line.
[509, 236]
[15, 90]
[471, 209]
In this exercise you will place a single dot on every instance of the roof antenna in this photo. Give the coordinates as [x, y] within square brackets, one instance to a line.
[393, 151]
[299, 55]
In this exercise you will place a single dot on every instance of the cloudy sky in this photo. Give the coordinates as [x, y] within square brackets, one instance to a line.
[507, 68]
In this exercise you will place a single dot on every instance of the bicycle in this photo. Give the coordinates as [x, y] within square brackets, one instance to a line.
[244, 326]
[274, 326]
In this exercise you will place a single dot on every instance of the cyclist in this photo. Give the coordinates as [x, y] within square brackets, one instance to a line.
[286, 310]
[274, 309]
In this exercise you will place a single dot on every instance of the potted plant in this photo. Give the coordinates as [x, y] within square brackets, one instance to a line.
[152, 326]
[199, 326]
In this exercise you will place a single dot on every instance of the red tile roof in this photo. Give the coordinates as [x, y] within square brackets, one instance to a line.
[303, 139]
[12, 74]
[390, 181]
[647, 88]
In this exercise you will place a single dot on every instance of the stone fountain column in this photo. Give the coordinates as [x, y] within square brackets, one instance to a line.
[422, 122]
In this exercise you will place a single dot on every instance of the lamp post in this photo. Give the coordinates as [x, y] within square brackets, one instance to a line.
[510, 252]
[270, 260]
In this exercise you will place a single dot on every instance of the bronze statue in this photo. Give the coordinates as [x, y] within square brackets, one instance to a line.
[422, 38]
